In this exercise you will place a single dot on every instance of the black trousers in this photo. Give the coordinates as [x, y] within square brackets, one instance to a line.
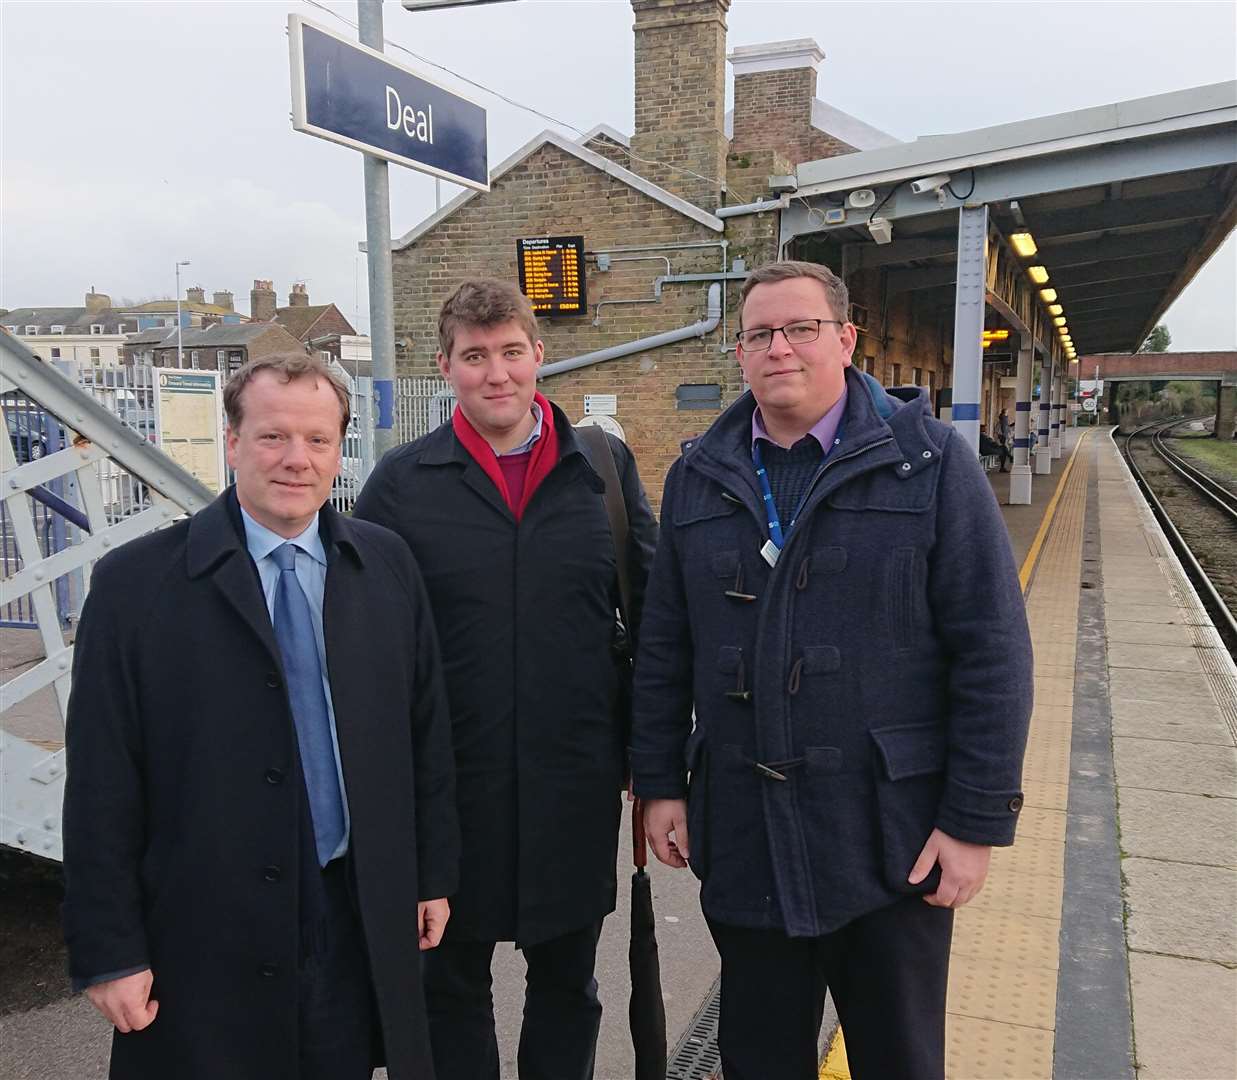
[562, 1015]
[886, 971]
[337, 1023]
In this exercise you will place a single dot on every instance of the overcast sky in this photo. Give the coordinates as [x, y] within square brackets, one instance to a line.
[133, 135]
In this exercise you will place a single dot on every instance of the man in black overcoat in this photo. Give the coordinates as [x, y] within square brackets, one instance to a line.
[505, 514]
[259, 818]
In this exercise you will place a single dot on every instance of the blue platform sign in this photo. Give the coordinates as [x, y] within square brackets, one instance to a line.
[356, 96]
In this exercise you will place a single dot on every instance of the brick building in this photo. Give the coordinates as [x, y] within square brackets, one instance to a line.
[668, 231]
[223, 347]
[322, 324]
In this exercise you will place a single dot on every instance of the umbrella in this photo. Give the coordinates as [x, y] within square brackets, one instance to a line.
[646, 1011]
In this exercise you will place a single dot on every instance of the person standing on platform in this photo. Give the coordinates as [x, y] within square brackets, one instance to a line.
[504, 511]
[1004, 430]
[259, 814]
[835, 593]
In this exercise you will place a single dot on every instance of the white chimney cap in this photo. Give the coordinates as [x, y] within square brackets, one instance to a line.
[776, 56]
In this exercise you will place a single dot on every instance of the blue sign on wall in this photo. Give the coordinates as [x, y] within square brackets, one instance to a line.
[353, 95]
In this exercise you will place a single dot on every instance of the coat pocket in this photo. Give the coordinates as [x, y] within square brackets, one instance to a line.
[910, 779]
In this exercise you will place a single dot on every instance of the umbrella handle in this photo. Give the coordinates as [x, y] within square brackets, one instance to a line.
[639, 843]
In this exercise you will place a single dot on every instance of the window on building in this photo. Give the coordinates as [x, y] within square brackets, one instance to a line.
[917, 376]
[895, 375]
[869, 364]
[57, 329]
[32, 330]
[193, 359]
[931, 381]
[55, 352]
[221, 360]
[96, 328]
[235, 360]
[95, 358]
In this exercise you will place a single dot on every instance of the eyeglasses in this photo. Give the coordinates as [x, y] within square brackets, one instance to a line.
[795, 333]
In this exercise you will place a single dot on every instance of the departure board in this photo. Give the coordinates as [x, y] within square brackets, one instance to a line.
[552, 274]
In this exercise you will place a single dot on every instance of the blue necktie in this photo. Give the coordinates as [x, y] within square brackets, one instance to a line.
[294, 630]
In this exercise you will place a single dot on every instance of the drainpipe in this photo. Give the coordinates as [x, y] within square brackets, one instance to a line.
[699, 329]
[759, 207]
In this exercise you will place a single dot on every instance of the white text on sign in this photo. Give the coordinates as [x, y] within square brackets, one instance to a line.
[417, 123]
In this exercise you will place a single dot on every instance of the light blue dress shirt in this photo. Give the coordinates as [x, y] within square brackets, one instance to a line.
[310, 571]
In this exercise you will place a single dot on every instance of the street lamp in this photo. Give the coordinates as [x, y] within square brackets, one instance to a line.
[180, 352]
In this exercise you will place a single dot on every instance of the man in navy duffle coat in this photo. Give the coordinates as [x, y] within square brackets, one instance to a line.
[835, 594]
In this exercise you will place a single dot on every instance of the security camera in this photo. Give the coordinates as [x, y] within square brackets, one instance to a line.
[929, 183]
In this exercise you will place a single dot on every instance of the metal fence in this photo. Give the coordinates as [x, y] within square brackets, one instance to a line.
[128, 392]
[421, 404]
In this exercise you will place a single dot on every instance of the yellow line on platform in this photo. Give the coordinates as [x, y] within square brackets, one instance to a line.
[1028, 565]
[835, 1066]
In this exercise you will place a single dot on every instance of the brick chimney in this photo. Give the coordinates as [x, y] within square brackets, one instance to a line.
[774, 90]
[681, 96]
[97, 301]
[262, 301]
[299, 296]
[195, 294]
[223, 300]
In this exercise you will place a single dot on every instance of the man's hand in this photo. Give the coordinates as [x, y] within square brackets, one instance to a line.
[126, 1001]
[664, 818]
[432, 916]
[964, 867]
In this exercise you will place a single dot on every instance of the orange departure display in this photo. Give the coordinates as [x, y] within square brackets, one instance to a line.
[552, 274]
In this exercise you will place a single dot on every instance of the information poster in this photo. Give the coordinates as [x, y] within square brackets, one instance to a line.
[188, 412]
[552, 274]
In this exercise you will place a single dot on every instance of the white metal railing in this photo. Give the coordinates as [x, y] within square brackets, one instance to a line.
[102, 457]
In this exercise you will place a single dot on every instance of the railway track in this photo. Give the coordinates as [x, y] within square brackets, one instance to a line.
[1200, 520]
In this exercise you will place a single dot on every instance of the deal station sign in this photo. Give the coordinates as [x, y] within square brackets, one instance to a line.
[356, 96]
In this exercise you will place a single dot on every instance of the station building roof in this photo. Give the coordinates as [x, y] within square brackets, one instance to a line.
[1124, 202]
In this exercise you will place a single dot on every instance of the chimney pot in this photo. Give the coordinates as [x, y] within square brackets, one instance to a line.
[299, 296]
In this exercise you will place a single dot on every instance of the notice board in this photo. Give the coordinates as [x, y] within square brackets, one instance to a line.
[188, 414]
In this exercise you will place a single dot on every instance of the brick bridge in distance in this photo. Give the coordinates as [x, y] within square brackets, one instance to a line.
[1218, 367]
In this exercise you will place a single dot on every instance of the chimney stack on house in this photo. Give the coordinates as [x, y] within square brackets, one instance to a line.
[680, 90]
[299, 296]
[224, 300]
[97, 301]
[774, 94]
[262, 301]
[195, 294]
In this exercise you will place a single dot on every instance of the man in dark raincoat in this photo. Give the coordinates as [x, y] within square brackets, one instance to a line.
[505, 514]
[259, 814]
[835, 591]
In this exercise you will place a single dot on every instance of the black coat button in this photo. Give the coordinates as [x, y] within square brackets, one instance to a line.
[274, 776]
[271, 873]
[272, 680]
[268, 971]
[1015, 804]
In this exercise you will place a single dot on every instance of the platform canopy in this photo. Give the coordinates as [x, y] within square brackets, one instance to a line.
[1123, 204]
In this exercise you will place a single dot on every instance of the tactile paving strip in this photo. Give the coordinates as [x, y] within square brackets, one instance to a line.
[1003, 968]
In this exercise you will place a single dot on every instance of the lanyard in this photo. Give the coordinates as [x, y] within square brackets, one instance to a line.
[776, 536]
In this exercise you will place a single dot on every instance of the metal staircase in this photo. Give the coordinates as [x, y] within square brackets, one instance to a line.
[99, 448]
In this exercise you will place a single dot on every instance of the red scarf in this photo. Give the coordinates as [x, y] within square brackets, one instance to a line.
[544, 454]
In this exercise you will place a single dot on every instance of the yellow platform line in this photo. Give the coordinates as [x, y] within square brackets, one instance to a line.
[1001, 1012]
[1028, 564]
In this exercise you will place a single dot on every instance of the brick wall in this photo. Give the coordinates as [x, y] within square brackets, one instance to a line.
[554, 193]
[680, 96]
[774, 108]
